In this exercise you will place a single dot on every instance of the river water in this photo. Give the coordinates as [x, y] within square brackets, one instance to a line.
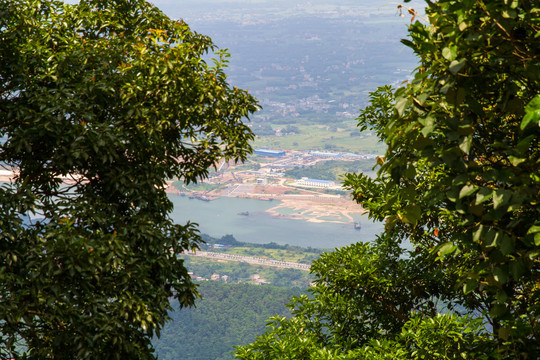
[220, 217]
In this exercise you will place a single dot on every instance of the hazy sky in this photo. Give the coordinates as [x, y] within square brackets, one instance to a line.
[267, 8]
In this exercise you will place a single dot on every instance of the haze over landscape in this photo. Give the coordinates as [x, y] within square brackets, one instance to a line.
[311, 65]
[269, 179]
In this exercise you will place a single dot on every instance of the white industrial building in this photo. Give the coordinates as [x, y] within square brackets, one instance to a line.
[316, 183]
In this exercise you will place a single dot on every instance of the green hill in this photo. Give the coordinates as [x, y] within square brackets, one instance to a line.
[228, 315]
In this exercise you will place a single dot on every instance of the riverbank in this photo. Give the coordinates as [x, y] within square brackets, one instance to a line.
[306, 205]
[317, 210]
[221, 217]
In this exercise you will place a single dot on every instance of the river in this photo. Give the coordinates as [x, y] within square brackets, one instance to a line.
[220, 217]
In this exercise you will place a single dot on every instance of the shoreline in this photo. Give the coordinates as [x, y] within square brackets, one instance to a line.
[316, 212]
[313, 208]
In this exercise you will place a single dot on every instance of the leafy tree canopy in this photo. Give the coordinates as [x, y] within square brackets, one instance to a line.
[228, 315]
[116, 98]
[459, 187]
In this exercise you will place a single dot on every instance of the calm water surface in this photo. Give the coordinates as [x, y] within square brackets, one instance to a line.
[220, 217]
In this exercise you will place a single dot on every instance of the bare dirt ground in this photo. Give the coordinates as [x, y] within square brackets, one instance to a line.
[308, 205]
[319, 209]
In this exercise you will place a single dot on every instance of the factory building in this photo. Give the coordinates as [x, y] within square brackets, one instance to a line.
[266, 152]
[316, 183]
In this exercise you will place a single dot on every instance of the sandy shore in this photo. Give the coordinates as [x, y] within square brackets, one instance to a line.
[306, 205]
[317, 211]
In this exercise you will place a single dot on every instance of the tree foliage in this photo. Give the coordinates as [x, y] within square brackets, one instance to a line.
[227, 315]
[116, 98]
[459, 188]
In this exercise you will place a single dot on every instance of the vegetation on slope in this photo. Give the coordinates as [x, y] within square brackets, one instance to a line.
[227, 315]
[332, 169]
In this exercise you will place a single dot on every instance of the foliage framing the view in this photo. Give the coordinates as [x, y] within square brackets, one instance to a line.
[459, 185]
[116, 97]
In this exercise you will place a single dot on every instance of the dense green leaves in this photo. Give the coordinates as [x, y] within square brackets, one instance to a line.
[459, 186]
[471, 134]
[227, 315]
[100, 104]
[370, 303]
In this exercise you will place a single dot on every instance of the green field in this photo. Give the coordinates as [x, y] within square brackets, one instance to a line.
[335, 137]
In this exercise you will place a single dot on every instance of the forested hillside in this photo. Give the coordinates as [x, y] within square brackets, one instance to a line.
[228, 315]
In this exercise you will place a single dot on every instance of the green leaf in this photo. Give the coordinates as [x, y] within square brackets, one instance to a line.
[447, 248]
[465, 144]
[467, 190]
[505, 332]
[506, 245]
[466, 129]
[523, 146]
[456, 65]
[500, 198]
[412, 214]
[533, 229]
[477, 236]
[422, 98]
[449, 53]
[455, 96]
[517, 268]
[516, 161]
[470, 285]
[483, 195]
[400, 105]
[532, 111]
[429, 126]
[500, 275]
[477, 210]
[498, 310]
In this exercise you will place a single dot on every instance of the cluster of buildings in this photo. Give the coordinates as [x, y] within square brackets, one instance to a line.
[290, 159]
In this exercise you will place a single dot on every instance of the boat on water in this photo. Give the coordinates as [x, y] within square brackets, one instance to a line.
[244, 213]
[357, 226]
